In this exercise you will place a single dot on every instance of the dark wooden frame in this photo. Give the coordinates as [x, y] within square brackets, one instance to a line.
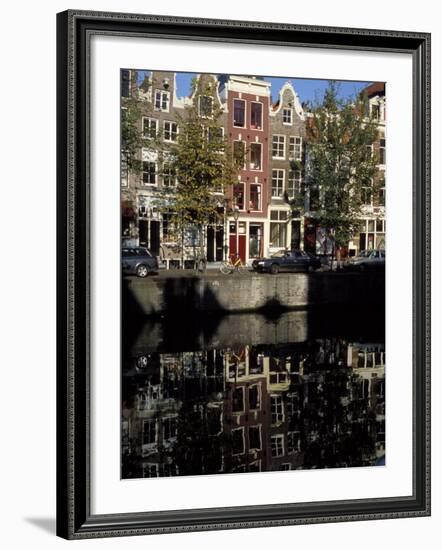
[74, 29]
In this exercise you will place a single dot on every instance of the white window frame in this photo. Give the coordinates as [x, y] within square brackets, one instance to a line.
[297, 183]
[279, 446]
[150, 119]
[244, 166]
[169, 419]
[261, 157]
[145, 184]
[279, 170]
[243, 441]
[170, 122]
[175, 180]
[258, 426]
[260, 197]
[284, 110]
[233, 112]
[160, 108]
[243, 194]
[259, 397]
[152, 443]
[277, 403]
[279, 136]
[261, 129]
[293, 155]
[243, 400]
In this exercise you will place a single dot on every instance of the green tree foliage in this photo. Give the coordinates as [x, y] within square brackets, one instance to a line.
[202, 162]
[341, 163]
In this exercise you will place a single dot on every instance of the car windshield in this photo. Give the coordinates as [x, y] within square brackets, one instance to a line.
[364, 253]
[278, 254]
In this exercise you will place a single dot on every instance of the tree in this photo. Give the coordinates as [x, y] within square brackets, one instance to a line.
[203, 165]
[342, 167]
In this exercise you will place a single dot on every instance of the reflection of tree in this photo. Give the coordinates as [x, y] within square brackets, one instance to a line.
[338, 430]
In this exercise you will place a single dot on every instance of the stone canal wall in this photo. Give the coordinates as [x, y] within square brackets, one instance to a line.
[245, 293]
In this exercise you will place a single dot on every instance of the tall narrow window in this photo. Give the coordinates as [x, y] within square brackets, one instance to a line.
[277, 182]
[294, 183]
[162, 100]
[149, 431]
[255, 156]
[276, 409]
[149, 173]
[382, 151]
[150, 127]
[170, 130]
[295, 148]
[255, 197]
[205, 106]
[169, 175]
[238, 195]
[239, 152]
[239, 113]
[256, 115]
[287, 116]
[277, 445]
[278, 147]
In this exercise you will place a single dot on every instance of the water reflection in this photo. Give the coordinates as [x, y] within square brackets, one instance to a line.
[314, 402]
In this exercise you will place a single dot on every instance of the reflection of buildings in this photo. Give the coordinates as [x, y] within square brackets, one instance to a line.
[254, 408]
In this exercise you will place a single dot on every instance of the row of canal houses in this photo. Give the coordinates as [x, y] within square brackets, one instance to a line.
[254, 408]
[270, 207]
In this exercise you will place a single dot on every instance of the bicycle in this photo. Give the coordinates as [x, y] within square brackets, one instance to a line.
[232, 265]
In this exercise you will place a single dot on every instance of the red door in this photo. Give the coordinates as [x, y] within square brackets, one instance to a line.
[241, 246]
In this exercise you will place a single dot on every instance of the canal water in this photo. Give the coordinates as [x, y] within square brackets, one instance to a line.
[250, 393]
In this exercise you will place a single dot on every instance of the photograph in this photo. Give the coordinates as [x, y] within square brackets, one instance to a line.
[253, 249]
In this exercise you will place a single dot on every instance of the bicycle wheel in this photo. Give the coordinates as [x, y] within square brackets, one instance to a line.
[225, 268]
[241, 268]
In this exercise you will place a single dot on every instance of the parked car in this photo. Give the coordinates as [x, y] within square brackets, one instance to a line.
[291, 260]
[138, 261]
[368, 260]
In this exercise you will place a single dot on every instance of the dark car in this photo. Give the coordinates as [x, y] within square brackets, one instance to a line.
[138, 261]
[368, 260]
[292, 260]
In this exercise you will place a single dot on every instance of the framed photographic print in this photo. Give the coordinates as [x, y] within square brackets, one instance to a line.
[235, 346]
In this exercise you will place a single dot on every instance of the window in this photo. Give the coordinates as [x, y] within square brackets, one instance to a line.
[255, 197]
[238, 400]
[149, 173]
[382, 151]
[125, 83]
[278, 228]
[255, 437]
[169, 428]
[295, 147]
[170, 130]
[376, 111]
[150, 128]
[205, 106]
[239, 113]
[278, 147]
[149, 431]
[256, 115]
[238, 195]
[169, 175]
[294, 183]
[276, 408]
[366, 195]
[215, 135]
[254, 397]
[287, 116]
[277, 182]
[277, 445]
[255, 156]
[293, 442]
[167, 226]
[238, 441]
[239, 152]
[162, 100]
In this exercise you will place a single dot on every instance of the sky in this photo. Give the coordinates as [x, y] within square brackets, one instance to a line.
[311, 90]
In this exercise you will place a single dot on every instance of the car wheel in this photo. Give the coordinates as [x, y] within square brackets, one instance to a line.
[142, 271]
[274, 269]
[310, 269]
